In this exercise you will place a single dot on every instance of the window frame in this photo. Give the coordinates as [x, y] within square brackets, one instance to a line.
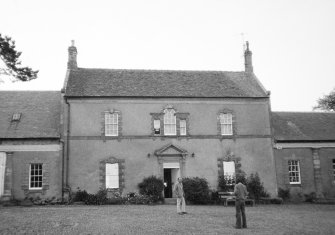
[38, 175]
[333, 169]
[113, 124]
[170, 115]
[112, 175]
[226, 122]
[184, 127]
[294, 173]
[157, 121]
[231, 176]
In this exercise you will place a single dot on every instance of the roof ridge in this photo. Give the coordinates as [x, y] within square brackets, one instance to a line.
[164, 70]
[302, 112]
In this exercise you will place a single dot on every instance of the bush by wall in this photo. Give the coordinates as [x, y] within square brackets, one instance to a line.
[284, 194]
[196, 190]
[226, 183]
[255, 187]
[152, 187]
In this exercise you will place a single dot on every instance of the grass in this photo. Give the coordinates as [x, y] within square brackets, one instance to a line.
[163, 219]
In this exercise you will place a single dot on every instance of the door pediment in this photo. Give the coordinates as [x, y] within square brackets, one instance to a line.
[169, 150]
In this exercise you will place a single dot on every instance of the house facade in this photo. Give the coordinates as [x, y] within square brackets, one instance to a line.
[304, 152]
[30, 148]
[111, 128]
[125, 125]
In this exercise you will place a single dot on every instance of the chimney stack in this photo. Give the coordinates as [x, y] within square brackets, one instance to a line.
[248, 59]
[72, 61]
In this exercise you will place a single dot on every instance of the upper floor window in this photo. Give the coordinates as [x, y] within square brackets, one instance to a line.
[170, 122]
[112, 175]
[35, 176]
[294, 172]
[157, 127]
[182, 124]
[111, 124]
[16, 117]
[226, 123]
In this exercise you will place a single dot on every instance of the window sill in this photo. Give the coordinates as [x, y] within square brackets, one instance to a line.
[295, 185]
[35, 190]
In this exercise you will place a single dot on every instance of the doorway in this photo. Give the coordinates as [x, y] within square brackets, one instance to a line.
[2, 172]
[167, 183]
[171, 174]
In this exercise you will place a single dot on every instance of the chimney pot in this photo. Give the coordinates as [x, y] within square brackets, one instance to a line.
[248, 59]
[72, 61]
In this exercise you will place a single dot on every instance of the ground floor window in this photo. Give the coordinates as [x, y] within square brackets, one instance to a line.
[294, 172]
[229, 172]
[112, 175]
[334, 170]
[35, 176]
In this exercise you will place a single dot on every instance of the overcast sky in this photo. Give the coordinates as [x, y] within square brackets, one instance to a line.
[293, 41]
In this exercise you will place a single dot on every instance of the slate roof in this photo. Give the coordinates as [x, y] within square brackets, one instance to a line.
[40, 114]
[83, 82]
[303, 126]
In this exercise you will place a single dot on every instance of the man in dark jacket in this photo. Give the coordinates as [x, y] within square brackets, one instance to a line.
[241, 193]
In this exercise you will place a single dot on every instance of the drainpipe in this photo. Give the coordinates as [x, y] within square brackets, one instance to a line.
[67, 144]
[63, 156]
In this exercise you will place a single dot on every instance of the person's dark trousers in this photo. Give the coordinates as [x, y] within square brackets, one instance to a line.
[240, 212]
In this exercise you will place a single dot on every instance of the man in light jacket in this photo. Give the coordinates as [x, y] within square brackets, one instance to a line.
[241, 193]
[179, 192]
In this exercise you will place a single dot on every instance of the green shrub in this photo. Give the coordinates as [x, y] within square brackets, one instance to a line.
[134, 198]
[80, 196]
[196, 190]
[214, 197]
[311, 197]
[153, 187]
[226, 183]
[276, 200]
[255, 187]
[284, 194]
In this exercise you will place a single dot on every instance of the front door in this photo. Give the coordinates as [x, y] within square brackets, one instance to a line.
[167, 183]
[2, 172]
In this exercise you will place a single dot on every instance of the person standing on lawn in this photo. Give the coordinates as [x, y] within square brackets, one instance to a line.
[179, 192]
[241, 193]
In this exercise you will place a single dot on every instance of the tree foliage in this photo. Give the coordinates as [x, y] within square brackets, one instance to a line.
[327, 102]
[11, 58]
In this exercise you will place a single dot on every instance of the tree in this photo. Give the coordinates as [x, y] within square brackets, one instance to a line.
[10, 56]
[327, 102]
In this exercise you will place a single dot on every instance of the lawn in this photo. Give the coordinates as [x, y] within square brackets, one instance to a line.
[163, 219]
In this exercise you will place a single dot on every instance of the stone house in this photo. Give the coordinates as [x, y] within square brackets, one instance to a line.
[304, 152]
[121, 126]
[30, 147]
[111, 128]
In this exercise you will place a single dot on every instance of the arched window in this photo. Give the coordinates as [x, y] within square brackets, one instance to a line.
[170, 122]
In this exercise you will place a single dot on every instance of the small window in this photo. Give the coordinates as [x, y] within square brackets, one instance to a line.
[229, 172]
[294, 172]
[16, 117]
[157, 127]
[169, 122]
[35, 176]
[182, 124]
[111, 124]
[112, 175]
[226, 123]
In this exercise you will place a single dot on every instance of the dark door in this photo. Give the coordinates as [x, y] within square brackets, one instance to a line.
[167, 183]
